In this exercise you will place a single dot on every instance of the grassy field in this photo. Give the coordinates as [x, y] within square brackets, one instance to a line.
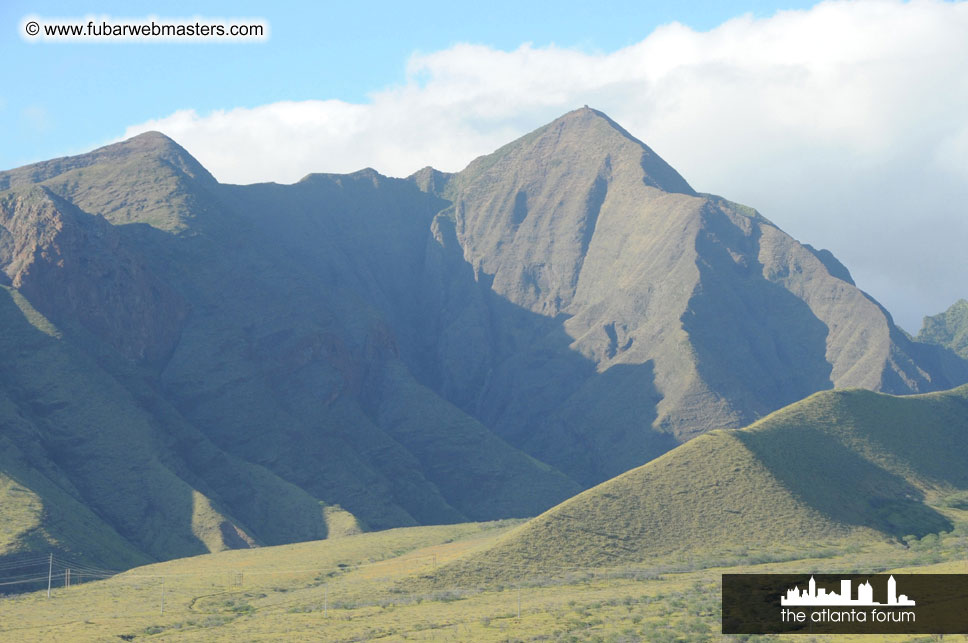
[379, 586]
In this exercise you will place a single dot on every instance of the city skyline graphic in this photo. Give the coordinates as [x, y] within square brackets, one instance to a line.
[814, 596]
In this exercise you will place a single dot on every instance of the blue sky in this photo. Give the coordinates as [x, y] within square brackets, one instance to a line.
[845, 122]
[62, 98]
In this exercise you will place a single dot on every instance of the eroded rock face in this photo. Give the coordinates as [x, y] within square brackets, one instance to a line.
[623, 312]
[73, 268]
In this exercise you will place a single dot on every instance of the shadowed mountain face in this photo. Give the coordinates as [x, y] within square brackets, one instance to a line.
[235, 365]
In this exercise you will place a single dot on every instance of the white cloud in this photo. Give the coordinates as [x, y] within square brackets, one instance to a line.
[846, 124]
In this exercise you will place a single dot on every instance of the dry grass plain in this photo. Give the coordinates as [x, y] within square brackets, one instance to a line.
[380, 587]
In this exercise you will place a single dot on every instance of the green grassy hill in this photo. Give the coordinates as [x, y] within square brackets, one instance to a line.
[840, 466]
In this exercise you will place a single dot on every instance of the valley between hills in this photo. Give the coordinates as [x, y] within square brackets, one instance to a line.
[555, 394]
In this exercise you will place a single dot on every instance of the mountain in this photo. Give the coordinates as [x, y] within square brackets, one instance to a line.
[948, 329]
[189, 366]
[626, 313]
[178, 373]
[837, 466]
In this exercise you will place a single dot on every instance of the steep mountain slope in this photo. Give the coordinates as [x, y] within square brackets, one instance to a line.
[189, 366]
[113, 474]
[643, 313]
[69, 263]
[948, 329]
[836, 465]
[236, 384]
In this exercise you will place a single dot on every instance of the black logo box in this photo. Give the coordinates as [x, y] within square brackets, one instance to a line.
[751, 605]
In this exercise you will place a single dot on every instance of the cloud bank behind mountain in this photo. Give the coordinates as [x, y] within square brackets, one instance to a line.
[846, 124]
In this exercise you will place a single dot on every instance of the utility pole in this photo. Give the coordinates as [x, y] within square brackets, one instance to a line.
[162, 596]
[50, 572]
[519, 602]
[67, 577]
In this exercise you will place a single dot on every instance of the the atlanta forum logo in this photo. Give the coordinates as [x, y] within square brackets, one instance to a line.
[845, 603]
[812, 596]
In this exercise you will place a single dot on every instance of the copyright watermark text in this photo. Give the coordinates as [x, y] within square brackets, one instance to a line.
[148, 29]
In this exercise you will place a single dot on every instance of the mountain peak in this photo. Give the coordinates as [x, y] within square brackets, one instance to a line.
[146, 145]
[430, 180]
[526, 214]
[151, 138]
[588, 116]
[587, 121]
[585, 137]
[154, 144]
